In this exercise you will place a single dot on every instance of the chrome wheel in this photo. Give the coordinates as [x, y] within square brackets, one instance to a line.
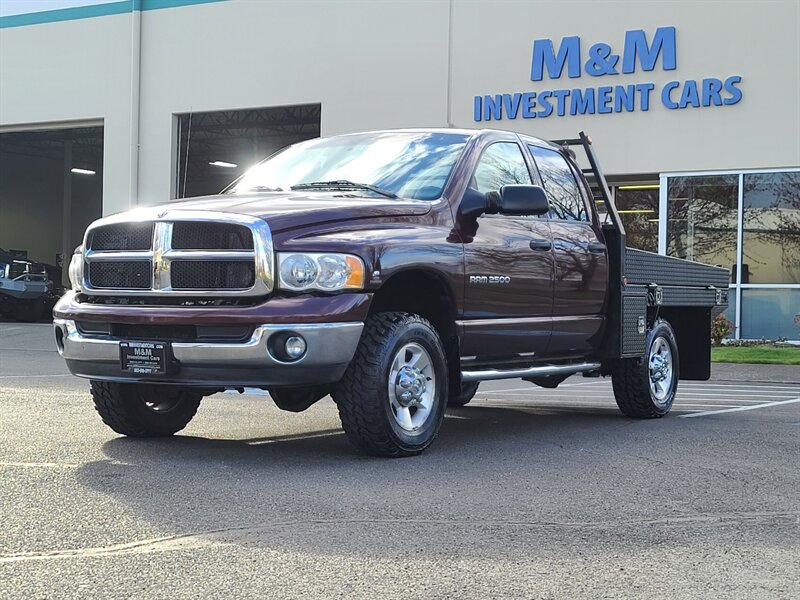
[661, 370]
[412, 386]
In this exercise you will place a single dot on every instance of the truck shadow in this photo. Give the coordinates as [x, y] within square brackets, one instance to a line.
[313, 492]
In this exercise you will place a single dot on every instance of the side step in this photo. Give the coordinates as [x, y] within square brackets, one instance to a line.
[541, 371]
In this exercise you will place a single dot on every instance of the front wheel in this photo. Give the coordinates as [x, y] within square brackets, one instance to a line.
[645, 387]
[392, 397]
[144, 410]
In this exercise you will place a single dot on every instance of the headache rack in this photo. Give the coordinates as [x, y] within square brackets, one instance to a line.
[644, 285]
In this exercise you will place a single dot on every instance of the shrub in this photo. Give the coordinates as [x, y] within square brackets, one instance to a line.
[720, 329]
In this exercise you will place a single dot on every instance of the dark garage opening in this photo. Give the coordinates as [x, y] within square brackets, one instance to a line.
[214, 148]
[51, 188]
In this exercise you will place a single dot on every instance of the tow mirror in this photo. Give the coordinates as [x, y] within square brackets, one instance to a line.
[510, 200]
[522, 200]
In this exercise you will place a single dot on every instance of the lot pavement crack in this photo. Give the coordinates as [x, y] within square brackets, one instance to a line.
[247, 533]
[697, 468]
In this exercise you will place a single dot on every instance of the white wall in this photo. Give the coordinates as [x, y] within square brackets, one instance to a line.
[372, 65]
[70, 72]
[492, 45]
[384, 64]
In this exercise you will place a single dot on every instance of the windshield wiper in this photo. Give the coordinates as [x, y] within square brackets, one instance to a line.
[342, 184]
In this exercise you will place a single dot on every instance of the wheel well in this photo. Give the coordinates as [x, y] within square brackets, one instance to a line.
[427, 295]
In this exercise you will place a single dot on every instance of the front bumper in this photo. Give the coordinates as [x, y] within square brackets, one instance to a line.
[330, 348]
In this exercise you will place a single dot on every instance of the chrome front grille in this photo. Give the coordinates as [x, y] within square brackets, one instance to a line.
[122, 236]
[212, 274]
[120, 275]
[211, 236]
[179, 253]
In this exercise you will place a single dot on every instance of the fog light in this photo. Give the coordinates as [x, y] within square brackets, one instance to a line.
[295, 347]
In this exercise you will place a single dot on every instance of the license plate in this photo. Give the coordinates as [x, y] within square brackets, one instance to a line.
[143, 358]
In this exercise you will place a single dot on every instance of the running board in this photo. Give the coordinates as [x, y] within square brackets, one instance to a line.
[542, 371]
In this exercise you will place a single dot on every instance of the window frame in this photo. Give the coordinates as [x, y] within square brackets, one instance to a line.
[582, 193]
[522, 155]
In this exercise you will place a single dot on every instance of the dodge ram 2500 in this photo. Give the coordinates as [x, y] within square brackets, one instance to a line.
[394, 271]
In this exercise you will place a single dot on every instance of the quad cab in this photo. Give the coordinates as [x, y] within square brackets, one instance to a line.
[394, 271]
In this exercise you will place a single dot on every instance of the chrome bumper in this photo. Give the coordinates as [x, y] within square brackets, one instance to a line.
[330, 348]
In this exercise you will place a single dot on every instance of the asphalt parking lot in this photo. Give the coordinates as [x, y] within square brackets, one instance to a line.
[527, 493]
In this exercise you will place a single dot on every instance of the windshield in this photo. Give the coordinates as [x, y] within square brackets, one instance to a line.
[410, 165]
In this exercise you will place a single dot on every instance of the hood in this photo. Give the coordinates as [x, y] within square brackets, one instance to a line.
[289, 210]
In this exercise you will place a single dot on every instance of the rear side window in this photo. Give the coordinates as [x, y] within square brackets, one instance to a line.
[501, 164]
[566, 203]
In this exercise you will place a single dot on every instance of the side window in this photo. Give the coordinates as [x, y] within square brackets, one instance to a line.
[500, 164]
[566, 202]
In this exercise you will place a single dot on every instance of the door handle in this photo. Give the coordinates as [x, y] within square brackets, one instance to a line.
[541, 245]
[596, 247]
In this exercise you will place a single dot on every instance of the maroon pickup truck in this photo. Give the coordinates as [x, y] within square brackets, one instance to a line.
[394, 271]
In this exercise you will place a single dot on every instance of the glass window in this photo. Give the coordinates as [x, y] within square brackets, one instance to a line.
[500, 164]
[214, 148]
[703, 218]
[411, 165]
[771, 237]
[770, 314]
[730, 312]
[566, 203]
[638, 208]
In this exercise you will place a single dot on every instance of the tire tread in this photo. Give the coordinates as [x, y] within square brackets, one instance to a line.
[362, 418]
[115, 403]
[632, 388]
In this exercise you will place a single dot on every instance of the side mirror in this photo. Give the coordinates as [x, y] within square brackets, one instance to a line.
[518, 200]
[511, 200]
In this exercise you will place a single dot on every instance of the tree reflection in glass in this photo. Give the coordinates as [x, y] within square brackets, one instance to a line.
[702, 219]
[771, 237]
[638, 209]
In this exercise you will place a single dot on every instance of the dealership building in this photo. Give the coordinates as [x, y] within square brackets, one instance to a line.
[693, 107]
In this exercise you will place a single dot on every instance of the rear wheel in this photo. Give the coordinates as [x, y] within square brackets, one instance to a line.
[645, 387]
[463, 396]
[392, 397]
[144, 410]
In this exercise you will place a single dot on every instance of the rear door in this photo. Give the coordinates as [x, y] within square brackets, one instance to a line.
[509, 269]
[581, 258]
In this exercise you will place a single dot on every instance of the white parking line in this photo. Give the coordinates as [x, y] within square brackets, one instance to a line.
[742, 394]
[741, 408]
[34, 376]
[751, 390]
[41, 465]
[541, 390]
[533, 386]
[738, 383]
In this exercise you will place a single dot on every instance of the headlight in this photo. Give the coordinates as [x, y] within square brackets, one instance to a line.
[76, 269]
[4, 270]
[326, 272]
